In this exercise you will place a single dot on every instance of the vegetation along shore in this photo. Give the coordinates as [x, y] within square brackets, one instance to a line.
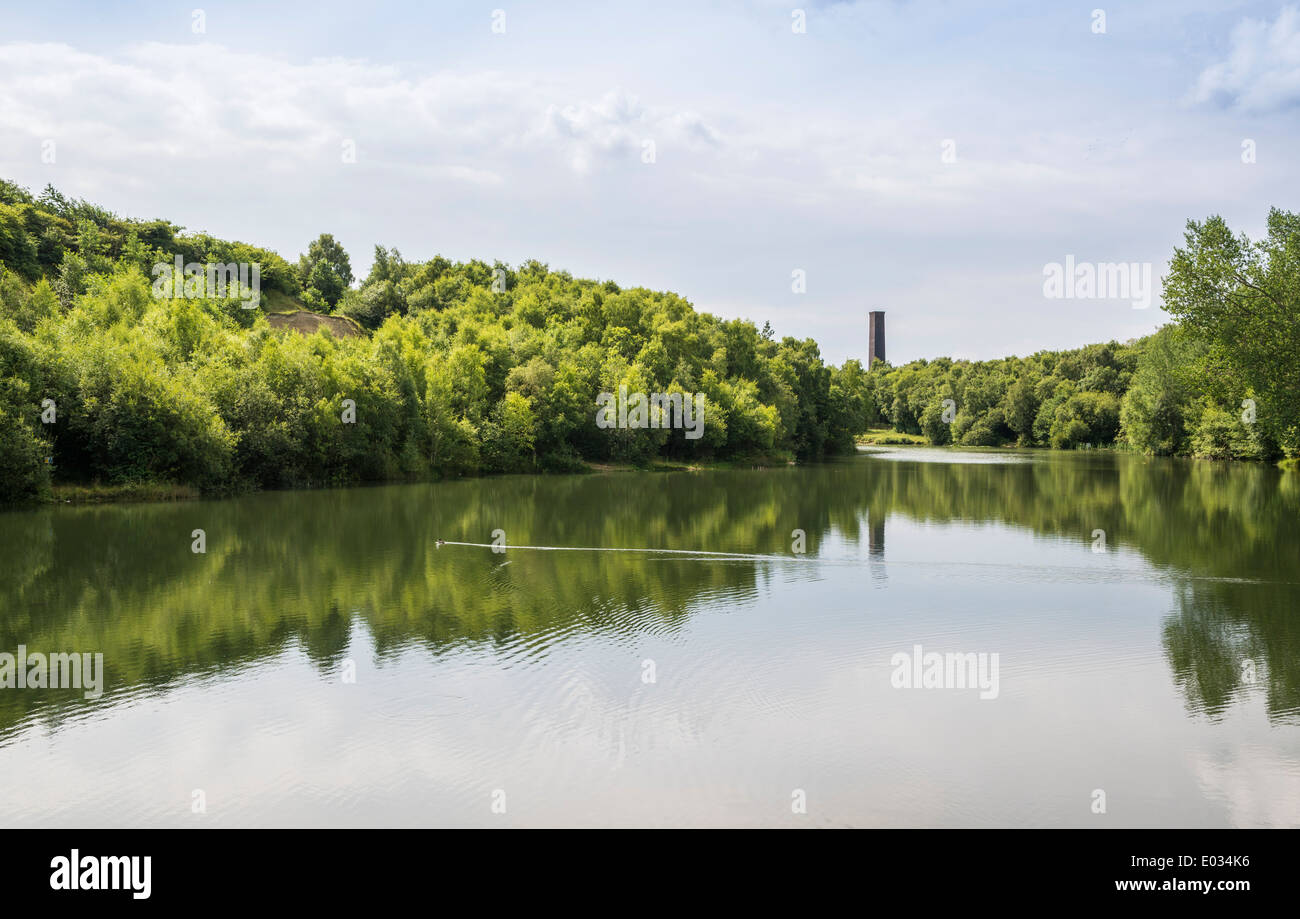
[435, 368]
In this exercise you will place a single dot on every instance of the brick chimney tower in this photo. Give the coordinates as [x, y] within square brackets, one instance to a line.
[875, 337]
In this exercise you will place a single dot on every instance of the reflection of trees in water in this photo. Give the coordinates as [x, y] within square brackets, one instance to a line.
[1229, 638]
[306, 566]
[1227, 534]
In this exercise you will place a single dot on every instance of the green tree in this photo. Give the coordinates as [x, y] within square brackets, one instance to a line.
[325, 269]
[1243, 299]
[1153, 413]
[508, 436]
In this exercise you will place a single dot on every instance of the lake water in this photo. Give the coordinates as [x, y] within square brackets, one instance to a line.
[325, 663]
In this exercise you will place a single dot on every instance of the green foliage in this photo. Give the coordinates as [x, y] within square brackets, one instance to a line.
[1241, 299]
[24, 450]
[24, 474]
[1086, 418]
[1154, 411]
[1225, 382]
[18, 250]
[933, 426]
[1062, 399]
[1219, 434]
[470, 367]
[324, 272]
[508, 435]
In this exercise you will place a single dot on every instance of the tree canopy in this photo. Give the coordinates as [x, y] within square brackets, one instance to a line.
[470, 367]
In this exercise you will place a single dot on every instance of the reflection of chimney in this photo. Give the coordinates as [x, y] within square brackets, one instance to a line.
[875, 337]
[876, 535]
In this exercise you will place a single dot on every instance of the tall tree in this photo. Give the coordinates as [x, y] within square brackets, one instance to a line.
[326, 269]
[1243, 299]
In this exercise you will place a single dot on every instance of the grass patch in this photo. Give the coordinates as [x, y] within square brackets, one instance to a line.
[134, 491]
[750, 461]
[887, 437]
[762, 461]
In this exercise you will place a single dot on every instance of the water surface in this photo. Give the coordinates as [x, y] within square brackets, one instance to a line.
[1158, 663]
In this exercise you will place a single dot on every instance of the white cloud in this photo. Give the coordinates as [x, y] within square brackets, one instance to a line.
[208, 102]
[154, 106]
[1262, 70]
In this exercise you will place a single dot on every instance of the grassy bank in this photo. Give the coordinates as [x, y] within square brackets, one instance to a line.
[134, 491]
[888, 437]
[96, 493]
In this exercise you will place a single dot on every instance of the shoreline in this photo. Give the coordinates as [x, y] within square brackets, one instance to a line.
[86, 494]
[882, 438]
[90, 493]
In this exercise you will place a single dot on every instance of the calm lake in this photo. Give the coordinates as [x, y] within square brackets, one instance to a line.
[325, 663]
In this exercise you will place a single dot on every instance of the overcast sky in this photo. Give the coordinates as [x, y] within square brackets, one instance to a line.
[774, 150]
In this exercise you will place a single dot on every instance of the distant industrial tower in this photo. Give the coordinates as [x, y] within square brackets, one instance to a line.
[875, 337]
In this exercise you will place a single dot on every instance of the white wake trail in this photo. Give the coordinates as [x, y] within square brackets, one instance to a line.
[691, 552]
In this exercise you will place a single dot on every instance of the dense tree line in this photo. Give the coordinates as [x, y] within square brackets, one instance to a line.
[1222, 382]
[470, 367]
[1059, 399]
[67, 242]
[1167, 394]
[466, 367]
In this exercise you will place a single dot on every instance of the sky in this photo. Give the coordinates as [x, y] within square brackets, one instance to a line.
[931, 160]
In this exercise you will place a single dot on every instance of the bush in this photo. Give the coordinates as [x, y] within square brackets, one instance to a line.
[24, 472]
[1220, 434]
[1087, 417]
[936, 430]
